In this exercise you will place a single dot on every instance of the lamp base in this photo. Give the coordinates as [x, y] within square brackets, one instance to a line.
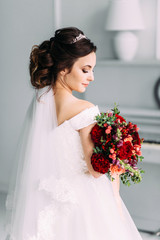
[125, 45]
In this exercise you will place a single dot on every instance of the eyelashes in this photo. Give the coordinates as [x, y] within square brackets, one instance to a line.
[85, 71]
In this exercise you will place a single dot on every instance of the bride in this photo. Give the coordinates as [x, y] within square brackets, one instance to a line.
[55, 194]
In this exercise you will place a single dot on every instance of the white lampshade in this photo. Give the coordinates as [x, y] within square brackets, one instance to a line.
[124, 15]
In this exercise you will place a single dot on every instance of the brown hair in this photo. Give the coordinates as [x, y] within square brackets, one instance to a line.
[56, 54]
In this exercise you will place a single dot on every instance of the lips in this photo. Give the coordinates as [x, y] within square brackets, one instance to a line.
[85, 84]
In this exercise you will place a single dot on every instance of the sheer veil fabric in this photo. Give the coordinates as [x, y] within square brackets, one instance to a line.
[35, 160]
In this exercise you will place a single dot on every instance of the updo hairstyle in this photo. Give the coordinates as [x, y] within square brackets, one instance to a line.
[56, 54]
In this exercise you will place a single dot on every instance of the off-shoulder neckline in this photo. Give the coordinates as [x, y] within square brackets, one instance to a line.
[77, 115]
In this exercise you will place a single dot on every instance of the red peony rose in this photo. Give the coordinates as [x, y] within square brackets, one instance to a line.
[96, 134]
[100, 163]
[124, 132]
[119, 118]
[125, 151]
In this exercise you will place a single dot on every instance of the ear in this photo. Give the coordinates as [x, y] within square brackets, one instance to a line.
[64, 72]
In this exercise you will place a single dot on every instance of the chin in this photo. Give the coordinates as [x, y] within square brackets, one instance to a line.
[81, 90]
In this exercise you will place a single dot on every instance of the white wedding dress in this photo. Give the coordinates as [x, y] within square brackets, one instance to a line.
[77, 205]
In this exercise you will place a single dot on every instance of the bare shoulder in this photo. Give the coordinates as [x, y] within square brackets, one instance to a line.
[84, 103]
[71, 107]
[79, 105]
[76, 106]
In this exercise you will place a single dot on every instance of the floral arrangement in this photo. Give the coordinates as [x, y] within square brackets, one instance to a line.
[117, 147]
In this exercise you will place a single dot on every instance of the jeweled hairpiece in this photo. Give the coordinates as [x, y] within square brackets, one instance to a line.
[79, 37]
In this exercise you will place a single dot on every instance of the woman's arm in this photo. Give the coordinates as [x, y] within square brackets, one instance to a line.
[115, 173]
[116, 186]
[116, 183]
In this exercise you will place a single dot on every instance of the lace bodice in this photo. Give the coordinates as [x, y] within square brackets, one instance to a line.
[71, 159]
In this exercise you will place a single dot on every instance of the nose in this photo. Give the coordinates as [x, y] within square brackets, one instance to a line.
[91, 77]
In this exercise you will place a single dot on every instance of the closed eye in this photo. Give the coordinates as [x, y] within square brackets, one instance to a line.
[85, 71]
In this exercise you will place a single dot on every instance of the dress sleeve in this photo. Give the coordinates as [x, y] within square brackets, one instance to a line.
[85, 118]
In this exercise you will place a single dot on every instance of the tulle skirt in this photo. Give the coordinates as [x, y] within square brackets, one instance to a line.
[91, 211]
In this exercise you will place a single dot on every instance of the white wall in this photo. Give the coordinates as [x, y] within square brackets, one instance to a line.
[131, 86]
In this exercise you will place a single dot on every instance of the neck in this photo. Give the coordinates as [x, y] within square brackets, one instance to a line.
[61, 86]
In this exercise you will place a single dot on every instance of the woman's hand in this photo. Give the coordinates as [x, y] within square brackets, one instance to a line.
[115, 173]
[93, 172]
[96, 174]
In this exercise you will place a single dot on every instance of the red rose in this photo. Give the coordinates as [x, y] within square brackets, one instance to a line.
[125, 151]
[108, 141]
[136, 138]
[130, 125]
[108, 138]
[125, 132]
[96, 134]
[100, 163]
[119, 118]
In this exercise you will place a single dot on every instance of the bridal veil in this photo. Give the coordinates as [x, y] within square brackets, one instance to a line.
[35, 160]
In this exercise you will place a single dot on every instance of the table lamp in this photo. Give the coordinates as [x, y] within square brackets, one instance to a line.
[124, 16]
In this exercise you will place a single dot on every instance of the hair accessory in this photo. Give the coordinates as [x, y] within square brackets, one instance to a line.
[79, 37]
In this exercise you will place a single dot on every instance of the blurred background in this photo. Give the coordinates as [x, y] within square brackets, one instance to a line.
[127, 72]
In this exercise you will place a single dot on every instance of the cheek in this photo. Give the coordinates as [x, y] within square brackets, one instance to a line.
[76, 79]
[81, 76]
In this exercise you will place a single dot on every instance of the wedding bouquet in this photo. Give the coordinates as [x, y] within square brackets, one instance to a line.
[117, 147]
